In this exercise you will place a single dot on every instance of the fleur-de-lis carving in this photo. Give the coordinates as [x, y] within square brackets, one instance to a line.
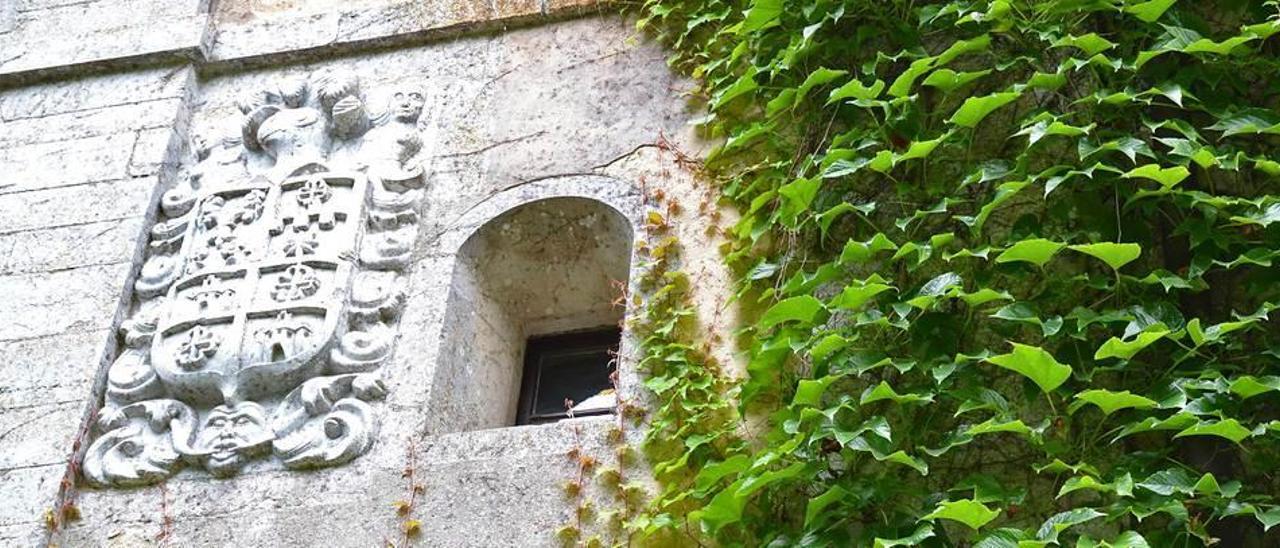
[313, 193]
[297, 282]
[199, 346]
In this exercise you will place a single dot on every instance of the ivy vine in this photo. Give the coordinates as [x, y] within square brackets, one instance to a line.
[1013, 269]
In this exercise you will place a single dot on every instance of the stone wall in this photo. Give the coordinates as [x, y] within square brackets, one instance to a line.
[524, 101]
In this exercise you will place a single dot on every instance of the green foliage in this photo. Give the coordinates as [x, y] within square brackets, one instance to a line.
[983, 239]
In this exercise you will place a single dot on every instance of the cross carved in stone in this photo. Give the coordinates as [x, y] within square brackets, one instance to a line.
[297, 282]
[200, 345]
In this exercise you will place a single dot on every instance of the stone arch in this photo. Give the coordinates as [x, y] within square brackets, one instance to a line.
[529, 262]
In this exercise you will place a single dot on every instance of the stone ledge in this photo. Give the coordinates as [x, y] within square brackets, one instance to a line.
[259, 42]
[166, 41]
[216, 45]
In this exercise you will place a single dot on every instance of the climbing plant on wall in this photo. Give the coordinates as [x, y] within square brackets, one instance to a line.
[1014, 272]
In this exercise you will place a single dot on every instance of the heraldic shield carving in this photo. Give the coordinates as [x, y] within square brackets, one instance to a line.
[270, 293]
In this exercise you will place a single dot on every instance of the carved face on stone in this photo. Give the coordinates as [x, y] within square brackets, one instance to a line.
[232, 435]
[406, 105]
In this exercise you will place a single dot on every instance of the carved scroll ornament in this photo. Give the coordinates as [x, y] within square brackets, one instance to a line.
[269, 297]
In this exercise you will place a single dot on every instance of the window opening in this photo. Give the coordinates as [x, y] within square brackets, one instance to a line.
[576, 367]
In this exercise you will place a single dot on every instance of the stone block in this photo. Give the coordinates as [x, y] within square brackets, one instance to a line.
[73, 246]
[154, 152]
[78, 204]
[28, 492]
[559, 114]
[557, 7]
[35, 49]
[81, 299]
[40, 434]
[94, 92]
[280, 33]
[23, 534]
[381, 21]
[89, 123]
[514, 9]
[61, 163]
[59, 367]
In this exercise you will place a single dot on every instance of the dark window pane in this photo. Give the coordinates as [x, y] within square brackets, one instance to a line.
[572, 375]
[574, 366]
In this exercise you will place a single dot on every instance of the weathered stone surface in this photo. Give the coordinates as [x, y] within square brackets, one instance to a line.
[67, 247]
[75, 205]
[81, 124]
[81, 299]
[28, 492]
[39, 434]
[94, 92]
[51, 38]
[60, 163]
[59, 367]
[275, 35]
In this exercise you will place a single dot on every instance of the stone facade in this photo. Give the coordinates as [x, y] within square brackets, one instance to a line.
[260, 258]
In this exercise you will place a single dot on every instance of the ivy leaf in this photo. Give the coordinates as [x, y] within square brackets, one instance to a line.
[1110, 402]
[1129, 146]
[949, 80]
[1037, 251]
[1036, 364]
[1079, 483]
[1168, 482]
[819, 503]
[856, 295]
[1091, 44]
[1167, 177]
[1229, 429]
[726, 507]
[1045, 128]
[1261, 217]
[1059, 522]
[993, 426]
[969, 512]
[1249, 121]
[984, 296]
[1115, 255]
[1116, 347]
[975, 109]
[809, 391]
[923, 532]
[1166, 279]
[1003, 193]
[763, 13]
[1023, 312]
[854, 89]
[745, 84]
[883, 391]
[857, 252]
[1248, 386]
[817, 78]
[1127, 539]
[1214, 333]
[1006, 537]
[1149, 11]
[804, 309]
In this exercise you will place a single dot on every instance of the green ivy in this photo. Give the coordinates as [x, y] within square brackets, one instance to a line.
[1012, 264]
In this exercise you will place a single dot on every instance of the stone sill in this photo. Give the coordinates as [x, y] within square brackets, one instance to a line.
[216, 46]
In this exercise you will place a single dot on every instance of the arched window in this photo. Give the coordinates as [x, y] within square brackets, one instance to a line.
[532, 317]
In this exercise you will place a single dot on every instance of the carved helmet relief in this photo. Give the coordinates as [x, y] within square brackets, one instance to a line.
[271, 290]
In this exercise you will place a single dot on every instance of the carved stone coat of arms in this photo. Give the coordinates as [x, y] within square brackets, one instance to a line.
[269, 296]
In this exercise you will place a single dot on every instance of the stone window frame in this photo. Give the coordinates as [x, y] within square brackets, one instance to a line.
[623, 197]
